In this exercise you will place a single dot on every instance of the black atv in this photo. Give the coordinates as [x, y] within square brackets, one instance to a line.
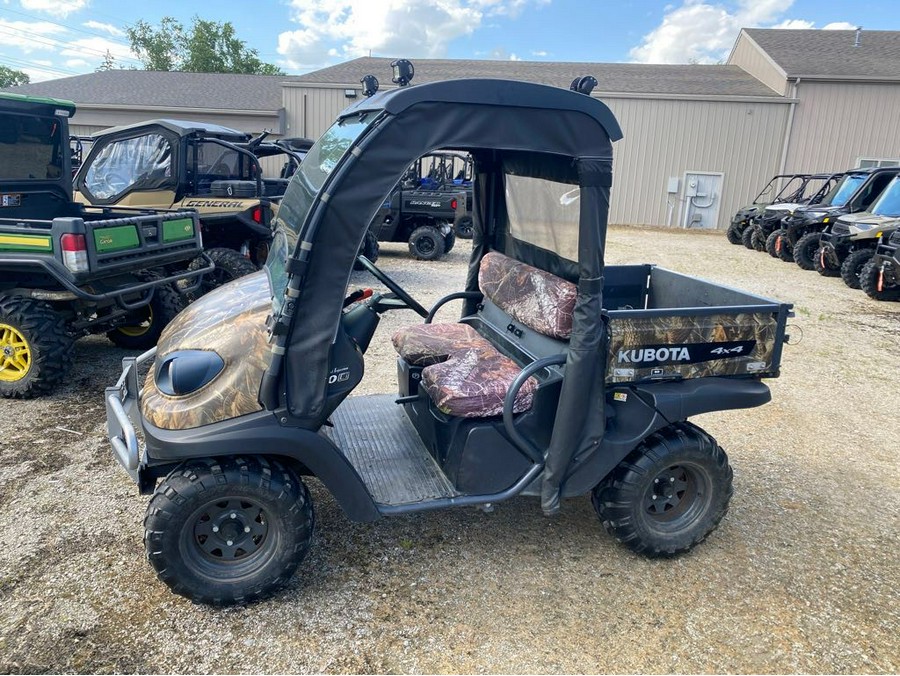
[857, 190]
[780, 188]
[564, 378]
[848, 243]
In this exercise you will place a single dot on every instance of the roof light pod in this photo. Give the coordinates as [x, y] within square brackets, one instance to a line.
[403, 72]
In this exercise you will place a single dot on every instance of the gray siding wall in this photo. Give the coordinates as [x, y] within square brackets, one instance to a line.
[311, 110]
[97, 119]
[835, 123]
[666, 138]
[752, 59]
[663, 138]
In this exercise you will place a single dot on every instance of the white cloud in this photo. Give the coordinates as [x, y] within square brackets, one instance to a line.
[704, 32]
[409, 28]
[60, 8]
[105, 27]
[94, 49]
[76, 63]
[540, 53]
[30, 36]
[839, 26]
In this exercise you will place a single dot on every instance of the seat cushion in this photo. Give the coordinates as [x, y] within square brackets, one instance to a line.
[538, 299]
[425, 344]
[473, 384]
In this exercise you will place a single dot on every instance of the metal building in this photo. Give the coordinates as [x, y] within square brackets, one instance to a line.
[700, 140]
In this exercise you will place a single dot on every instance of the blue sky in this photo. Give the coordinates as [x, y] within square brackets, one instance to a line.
[58, 38]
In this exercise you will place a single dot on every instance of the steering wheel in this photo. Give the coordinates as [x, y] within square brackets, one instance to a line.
[395, 288]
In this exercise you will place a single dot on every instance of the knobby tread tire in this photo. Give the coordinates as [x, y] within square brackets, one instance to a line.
[805, 250]
[868, 282]
[48, 340]
[191, 484]
[618, 499]
[747, 236]
[758, 240]
[771, 242]
[827, 270]
[230, 265]
[853, 266]
[369, 248]
[436, 238]
[449, 242]
[733, 234]
[786, 251]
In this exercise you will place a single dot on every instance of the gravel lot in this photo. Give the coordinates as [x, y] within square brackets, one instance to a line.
[803, 574]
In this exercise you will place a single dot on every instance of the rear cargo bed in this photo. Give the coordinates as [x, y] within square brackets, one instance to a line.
[664, 325]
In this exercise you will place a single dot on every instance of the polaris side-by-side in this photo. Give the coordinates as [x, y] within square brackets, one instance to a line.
[780, 188]
[564, 377]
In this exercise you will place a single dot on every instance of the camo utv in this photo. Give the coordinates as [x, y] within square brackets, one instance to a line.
[564, 377]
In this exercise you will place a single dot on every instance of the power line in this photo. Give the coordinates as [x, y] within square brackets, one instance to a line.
[17, 64]
[52, 42]
[105, 36]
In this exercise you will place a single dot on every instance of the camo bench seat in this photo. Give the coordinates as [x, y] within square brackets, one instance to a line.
[464, 374]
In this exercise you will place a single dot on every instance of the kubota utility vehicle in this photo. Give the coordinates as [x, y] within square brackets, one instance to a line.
[780, 188]
[200, 166]
[563, 378]
[798, 237]
[848, 243]
[66, 270]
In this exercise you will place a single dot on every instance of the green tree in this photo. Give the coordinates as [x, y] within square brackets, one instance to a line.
[205, 47]
[10, 77]
[109, 62]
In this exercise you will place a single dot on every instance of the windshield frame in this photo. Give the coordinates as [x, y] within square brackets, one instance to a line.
[297, 208]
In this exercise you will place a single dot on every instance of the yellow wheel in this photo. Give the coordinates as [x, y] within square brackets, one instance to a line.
[135, 330]
[35, 347]
[145, 324]
[15, 355]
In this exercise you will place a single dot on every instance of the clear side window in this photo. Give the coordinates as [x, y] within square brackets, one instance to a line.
[544, 213]
[29, 147]
[219, 163]
[122, 165]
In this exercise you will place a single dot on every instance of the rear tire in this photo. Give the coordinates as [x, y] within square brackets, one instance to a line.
[449, 241]
[230, 265]
[668, 494]
[747, 236]
[824, 265]
[853, 266]
[145, 325]
[805, 250]
[35, 347]
[465, 227]
[868, 282]
[228, 530]
[369, 248]
[733, 234]
[426, 243]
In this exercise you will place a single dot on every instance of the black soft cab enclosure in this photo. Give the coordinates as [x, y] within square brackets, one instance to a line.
[562, 377]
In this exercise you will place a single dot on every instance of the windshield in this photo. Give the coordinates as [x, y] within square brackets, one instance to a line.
[319, 162]
[789, 191]
[889, 202]
[30, 147]
[844, 190]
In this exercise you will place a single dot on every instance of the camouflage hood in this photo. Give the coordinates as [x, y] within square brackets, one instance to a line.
[230, 321]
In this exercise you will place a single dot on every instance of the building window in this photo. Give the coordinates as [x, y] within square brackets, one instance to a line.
[868, 162]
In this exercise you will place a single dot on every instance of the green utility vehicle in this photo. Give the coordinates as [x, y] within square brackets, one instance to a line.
[564, 377]
[66, 270]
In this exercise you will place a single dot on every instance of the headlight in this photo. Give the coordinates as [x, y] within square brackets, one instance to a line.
[187, 371]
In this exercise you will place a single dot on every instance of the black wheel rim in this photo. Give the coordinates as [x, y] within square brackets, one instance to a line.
[425, 245]
[234, 533]
[677, 497]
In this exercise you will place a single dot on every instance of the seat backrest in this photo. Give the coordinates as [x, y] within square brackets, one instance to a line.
[539, 300]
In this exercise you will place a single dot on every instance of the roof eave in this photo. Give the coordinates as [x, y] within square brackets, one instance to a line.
[179, 109]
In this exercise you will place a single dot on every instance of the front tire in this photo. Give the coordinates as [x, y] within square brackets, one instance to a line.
[758, 240]
[449, 241]
[772, 243]
[228, 530]
[805, 250]
[668, 494]
[465, 227]
[824, 263]
[784, 250]
[853, 266]
[870, 280]
[230, 265]
[426, 243]
[145, 325]
[733, 233]
[369, 248]
[35, 348]
[747, 236]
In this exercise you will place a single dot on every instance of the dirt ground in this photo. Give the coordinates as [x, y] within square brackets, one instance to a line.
[803, 574]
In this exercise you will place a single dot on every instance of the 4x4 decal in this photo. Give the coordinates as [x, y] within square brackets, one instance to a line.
[694, 353]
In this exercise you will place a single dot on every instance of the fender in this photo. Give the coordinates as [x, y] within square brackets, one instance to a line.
[261, 434]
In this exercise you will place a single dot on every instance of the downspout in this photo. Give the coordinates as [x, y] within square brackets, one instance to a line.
[789, 127]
